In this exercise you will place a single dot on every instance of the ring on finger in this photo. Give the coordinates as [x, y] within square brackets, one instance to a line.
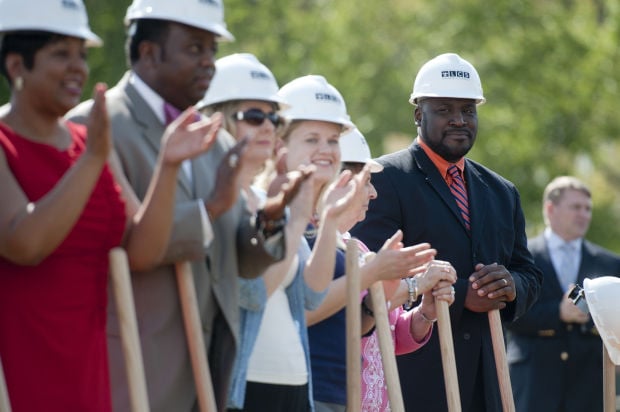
[452, 291]
[505, 282]
[233, 160]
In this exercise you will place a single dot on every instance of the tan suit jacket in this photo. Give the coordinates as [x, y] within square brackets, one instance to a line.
[137, 133]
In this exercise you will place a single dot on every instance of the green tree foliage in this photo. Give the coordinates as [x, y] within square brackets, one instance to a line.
[548, 70]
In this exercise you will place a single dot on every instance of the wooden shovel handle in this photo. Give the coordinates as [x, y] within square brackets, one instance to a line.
[609, 383]
[386, 346]
[5, 405]
[123, 295]
[354, 328]
[448, 359]
[499, 352]
[195, 338]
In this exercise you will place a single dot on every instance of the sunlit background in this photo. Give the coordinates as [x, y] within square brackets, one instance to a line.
[549, 72]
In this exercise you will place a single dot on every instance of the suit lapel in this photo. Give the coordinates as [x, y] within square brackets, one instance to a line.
[478, 193]
[437, 182]
[587, 262]
[546, 266]
[151, 128]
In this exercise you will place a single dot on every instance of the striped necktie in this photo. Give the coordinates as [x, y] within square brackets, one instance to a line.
[457, 187]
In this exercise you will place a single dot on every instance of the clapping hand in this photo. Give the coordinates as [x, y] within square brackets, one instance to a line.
[185, 138]
[227, 185]
[287, 186]
[394, 261]
[342, 194]
[99, 142]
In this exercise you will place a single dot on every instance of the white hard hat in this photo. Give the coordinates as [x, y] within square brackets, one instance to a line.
[312, 98]
[241, 76]
[354, 148]
[602, 299]
[447, 75]
[203, 14]
[66, 17]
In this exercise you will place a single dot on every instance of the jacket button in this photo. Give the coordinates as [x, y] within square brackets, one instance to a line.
[466, 336]
[564, 356]
[569, 327]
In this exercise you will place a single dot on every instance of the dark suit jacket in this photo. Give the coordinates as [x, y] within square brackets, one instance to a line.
[413, 196]
[137, 134]
[555, 365]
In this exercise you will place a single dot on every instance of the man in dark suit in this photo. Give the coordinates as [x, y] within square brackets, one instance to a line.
[554, 350]
[171, 47]
[483, 238]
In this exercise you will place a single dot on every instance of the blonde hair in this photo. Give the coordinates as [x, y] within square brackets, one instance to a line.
[263, 179]
[228, 109]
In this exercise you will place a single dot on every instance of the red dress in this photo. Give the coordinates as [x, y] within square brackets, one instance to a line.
[53, 315]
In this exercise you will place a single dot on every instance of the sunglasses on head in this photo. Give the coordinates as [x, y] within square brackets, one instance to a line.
[256, 117]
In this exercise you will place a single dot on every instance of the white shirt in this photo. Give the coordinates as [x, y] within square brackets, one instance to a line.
[156, 103]
[555, 244]
[278, 355]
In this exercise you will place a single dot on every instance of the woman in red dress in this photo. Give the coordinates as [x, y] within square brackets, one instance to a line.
[64, 206]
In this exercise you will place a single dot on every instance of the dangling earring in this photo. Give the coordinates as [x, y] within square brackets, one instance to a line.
[19, 83]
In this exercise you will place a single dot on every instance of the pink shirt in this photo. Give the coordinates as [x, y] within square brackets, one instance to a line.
[374, 388]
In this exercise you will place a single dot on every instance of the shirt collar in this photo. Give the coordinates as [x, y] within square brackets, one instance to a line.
[152, 99]
[554, 241]
[441, 163]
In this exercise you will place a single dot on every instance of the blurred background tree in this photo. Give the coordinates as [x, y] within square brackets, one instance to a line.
[548, 71]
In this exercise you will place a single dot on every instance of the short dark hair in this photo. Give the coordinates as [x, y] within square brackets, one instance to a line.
[354, 167]
[155, 30]
[26, 44]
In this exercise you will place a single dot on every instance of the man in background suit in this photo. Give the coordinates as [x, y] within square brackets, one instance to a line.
[171, 47]
[554, 350]
[485, 240]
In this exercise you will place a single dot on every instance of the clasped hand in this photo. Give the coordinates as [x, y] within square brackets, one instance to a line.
[491, 286]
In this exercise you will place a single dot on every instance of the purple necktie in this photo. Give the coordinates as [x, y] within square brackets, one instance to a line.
[457, 187]
[170, 113]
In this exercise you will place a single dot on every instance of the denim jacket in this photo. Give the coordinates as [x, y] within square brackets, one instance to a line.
[253, 297]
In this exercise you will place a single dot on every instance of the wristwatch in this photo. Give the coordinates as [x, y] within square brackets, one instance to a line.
[412, 285]
[269, 227]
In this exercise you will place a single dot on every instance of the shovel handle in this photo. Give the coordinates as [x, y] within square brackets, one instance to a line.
[195, 338]
[609, 383]
[354, 328]
[386, 346]
[123, 295]
[501, 363]
[5, 405]
[448, 359]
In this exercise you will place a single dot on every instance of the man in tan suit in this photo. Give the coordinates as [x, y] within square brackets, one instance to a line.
[171, 47]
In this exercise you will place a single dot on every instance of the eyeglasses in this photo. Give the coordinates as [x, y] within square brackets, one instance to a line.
[257, 117]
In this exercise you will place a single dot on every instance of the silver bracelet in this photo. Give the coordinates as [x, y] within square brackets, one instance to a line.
[427, 319]
[412, 285]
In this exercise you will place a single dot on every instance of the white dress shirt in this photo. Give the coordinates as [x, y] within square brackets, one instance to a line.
[156, 103]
